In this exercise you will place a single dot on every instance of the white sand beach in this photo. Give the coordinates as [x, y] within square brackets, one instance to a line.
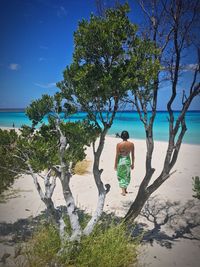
[174, 243]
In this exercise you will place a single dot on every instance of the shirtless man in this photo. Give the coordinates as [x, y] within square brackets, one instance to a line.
[123, 162]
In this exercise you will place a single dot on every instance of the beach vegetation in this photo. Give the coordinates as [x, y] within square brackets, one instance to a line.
[42, 248]
[7, 145]
[196, 186]
[49, 152]
[110, 247]
[81, 167]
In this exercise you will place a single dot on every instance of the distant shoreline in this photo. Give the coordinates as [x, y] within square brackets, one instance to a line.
[12, 109]
[128, 120]
[134, 111]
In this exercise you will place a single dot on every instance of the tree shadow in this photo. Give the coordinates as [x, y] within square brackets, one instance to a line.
[14, 235]
[165, 222]
[160, 221]
[23, 229]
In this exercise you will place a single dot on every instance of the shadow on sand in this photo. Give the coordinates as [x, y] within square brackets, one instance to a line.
[166, 222]
[22, 229]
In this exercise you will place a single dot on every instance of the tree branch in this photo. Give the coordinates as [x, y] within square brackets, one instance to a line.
[157, 183]
[37, 185]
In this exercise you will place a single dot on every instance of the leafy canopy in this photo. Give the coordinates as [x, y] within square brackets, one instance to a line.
[100, 60]
[109, 60]
[39, 146]
[45, 142]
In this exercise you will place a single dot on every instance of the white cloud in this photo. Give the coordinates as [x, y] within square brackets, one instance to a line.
[183, 67]
[46, 85]
[61, 11]
[14, 66]
[41, 59]
[191, 67]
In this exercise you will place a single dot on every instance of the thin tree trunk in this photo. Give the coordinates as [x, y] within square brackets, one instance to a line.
[65, 178]
[137, 205]
[100, 186]
[102, 190]
[53, 214]
[71, 211]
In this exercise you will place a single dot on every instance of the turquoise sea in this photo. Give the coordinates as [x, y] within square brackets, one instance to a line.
[125, 120]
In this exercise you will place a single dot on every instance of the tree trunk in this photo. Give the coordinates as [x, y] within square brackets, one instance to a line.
[71, 210]
[100, 186]
[137, 205]
[51, 211]
[91, 224]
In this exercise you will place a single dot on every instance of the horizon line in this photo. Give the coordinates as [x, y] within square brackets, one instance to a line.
[125, 110]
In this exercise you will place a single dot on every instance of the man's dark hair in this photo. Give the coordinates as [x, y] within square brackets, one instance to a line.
[125, 135]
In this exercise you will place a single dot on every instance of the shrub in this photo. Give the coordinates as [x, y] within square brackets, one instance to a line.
[7, 162]
[110, 247]
[43, 247]
[196, 186]
[81, 167]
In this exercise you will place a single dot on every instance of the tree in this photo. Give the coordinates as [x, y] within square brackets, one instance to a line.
[98, 77]
[7, 142]
[172, 25]
[50, 151]
[95, 82]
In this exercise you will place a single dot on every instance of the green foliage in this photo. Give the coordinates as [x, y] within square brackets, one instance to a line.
[196, 186]
[109, 60]
[9, 165]
[100, 61]
[109, 247]
[41, 147]
[39, 108]
[43, 247]
[144, 60]
[78, 135]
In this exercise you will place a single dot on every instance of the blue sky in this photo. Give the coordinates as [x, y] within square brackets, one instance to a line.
[37, 44]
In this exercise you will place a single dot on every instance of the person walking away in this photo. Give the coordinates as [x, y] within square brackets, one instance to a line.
[124, 161]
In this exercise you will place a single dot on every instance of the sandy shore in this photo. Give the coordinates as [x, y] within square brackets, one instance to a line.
[168, 242]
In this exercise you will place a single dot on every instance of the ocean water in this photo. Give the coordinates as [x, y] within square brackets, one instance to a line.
[126, 120]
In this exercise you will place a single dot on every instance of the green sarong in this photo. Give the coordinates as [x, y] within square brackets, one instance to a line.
[124, 171]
